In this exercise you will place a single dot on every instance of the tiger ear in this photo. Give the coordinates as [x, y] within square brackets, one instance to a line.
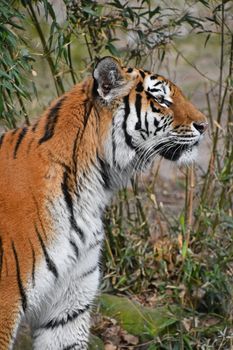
[111, 80]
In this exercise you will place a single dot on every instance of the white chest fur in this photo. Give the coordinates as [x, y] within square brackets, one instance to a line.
[75, 253]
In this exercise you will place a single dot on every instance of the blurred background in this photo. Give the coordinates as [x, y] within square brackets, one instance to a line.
[168, 259]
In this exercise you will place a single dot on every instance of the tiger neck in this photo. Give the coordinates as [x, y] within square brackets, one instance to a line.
[77, 149]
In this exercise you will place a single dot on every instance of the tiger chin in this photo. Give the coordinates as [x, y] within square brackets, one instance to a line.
[56, 178]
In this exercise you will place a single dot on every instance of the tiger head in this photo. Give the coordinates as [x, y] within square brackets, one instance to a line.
[149, 113]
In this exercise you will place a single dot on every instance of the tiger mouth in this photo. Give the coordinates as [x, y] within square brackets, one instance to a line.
[166, 150]
[174, 152]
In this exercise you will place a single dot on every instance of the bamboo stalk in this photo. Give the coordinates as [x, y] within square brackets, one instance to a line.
[8, 107]
[57, 79]
[186, 201]
[139, 206]
[126, 199]
[17, 92]
[121, 210]
[71, 63]
[230, 105]
[221, 100]
[88, 48]
[25, 114]
[191, 187]
[209, 112]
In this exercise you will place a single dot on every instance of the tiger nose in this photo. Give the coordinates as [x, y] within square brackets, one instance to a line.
[201, 127]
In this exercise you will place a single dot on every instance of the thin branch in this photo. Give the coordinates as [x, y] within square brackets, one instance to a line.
[57, 79]
[193, 65]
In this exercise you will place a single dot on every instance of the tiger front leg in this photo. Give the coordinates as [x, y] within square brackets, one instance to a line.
[64, 320]
[12, 306]
[64, 334]
[9, 323]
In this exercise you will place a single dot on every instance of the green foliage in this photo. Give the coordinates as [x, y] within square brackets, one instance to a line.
[14, 61]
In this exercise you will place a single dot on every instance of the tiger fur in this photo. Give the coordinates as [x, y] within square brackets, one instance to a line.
[56, 178]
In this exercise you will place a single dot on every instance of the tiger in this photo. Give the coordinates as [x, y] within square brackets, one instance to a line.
[56, 178]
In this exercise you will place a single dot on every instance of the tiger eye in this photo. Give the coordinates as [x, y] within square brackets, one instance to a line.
[159, 98]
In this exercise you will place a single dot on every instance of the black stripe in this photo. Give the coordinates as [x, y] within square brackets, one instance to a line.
[156, 123]
[35, 126]
[87, 111]
[128, 138]
[138, 106]
[69, 204]
[95, 244]
[146, 124]
[183, 136]
[29, 146]
[86, 114]
[113, 143]
[69, 318]
[19, 280]
[169, 122]
[153, 90]
[139, 87]
[1, 256]
[95, 88]
[89, 272]
[158, 83]
[104, 172]
[38, 214]
[59, 162]
[142, 73]
[50, 264]
[1, 139]
[51, 121]
[14, 131]
[167, 103]
[75, 248]
[74, 345]
[164, 127]
[153, 108]
[5, 261]
[158, 128]
[33, 263]
[142, 135]
[148, 95]
[20, 139]
[78, 138]
[153, 77]
[75, 155]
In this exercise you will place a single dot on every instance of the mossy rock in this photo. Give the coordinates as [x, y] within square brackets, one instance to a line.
[95, 343]
[136, 319]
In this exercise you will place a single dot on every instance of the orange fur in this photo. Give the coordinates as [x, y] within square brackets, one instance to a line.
[24, 182]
